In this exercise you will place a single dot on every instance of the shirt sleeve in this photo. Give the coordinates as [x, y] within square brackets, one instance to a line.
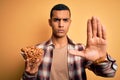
[27, 76]
[104, 69]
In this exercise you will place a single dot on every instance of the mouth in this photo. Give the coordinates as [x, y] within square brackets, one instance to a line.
[60, 31]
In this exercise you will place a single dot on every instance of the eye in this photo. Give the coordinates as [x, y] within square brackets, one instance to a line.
[56, 19]
[66, 20]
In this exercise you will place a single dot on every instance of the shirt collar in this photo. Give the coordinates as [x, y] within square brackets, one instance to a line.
[50, 43]
[70, 41]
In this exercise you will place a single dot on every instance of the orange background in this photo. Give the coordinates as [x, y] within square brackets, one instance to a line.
[25, 22]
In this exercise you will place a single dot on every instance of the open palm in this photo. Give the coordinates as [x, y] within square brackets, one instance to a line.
[96, 41]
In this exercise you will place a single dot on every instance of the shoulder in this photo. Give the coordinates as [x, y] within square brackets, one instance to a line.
[40, 45]
[74, 45]
[44, 44]
[79, 46]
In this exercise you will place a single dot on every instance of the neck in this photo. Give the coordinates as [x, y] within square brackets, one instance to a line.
[60, 42]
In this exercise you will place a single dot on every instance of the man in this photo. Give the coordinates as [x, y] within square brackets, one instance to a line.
[65, 60]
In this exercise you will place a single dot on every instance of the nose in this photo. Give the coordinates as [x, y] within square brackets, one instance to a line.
[61, 23]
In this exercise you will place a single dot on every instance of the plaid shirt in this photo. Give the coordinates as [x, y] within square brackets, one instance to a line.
[76, 64]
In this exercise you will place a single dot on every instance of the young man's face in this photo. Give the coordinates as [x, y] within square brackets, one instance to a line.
[60, 22]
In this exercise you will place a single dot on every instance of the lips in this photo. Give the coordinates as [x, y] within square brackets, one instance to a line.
[60, 31]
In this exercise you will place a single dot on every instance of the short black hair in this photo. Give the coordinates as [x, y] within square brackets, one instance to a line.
[59, 7]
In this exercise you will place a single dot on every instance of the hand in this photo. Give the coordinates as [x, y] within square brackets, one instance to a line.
[33, 58]
[32, 67]
[96, 41]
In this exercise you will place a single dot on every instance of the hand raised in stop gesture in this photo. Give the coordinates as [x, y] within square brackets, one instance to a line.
[96, 41]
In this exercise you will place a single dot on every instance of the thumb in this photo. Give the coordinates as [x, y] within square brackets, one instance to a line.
[77, 53]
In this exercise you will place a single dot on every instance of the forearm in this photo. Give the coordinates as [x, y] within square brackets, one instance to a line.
[105, 69]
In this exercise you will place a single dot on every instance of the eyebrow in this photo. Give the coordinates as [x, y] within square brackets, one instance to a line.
[64, 19]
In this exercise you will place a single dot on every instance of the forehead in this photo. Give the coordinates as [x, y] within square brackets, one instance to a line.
[61, 14]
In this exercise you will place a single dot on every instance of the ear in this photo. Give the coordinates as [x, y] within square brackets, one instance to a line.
[70, 21]
[50, 22]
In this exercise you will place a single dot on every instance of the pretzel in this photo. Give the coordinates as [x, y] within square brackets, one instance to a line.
[32, 53]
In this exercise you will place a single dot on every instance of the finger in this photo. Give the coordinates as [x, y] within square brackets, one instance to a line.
[99, 29]
[24, 55]
[94, 26]
[27, 64]
[77, 53]
[38, 62]
[89, 29]
[103, 32]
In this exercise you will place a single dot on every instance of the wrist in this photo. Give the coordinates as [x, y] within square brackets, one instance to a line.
[30, 74]
[100, 60]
